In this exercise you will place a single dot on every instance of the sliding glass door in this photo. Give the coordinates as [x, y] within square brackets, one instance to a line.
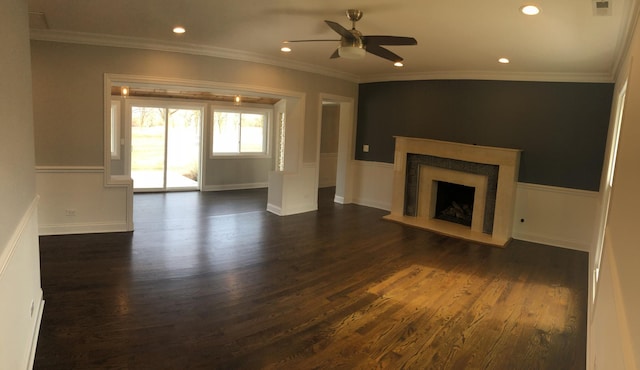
[165, 147]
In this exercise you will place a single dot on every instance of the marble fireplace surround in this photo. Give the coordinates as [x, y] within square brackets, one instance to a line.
[469, 165]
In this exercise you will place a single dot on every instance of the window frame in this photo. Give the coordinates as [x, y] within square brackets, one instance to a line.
[266, 111]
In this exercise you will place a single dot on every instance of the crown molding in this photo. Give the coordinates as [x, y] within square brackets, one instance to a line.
[184, 48]
[630, 20]
[232, 54]
[494, 76]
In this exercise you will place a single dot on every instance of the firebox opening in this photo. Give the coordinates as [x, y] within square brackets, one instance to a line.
[454, 202]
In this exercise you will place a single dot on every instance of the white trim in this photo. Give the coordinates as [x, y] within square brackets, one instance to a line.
[623, 322]
[69, 169]
[363, 195]
[196, 85]
[554, 242]
[12, 244]
[382, 165]
[184, 48]
[274, 209]
[559, 190]
[36, 332]
[194, 49]
[623, 43]
[29, 217]
[346, 142]
[554, 238]
[385, 206]
[255, 185]
[265, 111]
[84, 228]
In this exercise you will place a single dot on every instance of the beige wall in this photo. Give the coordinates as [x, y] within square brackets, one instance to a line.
[17, 187]
[329, 130]
[618, 296]
[20, 292]
[68, 89]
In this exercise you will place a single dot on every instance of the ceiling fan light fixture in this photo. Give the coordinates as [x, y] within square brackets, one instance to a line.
[398, 64]
[351, 52]
[285, 49]
[179, 30]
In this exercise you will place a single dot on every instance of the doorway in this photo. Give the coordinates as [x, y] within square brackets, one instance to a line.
[165, 146]
[335, 146]
[328, 159]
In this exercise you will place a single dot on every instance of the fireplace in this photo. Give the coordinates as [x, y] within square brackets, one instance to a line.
[454, 202]
[424, 168]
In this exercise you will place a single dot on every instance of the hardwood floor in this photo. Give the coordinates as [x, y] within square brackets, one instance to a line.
[211, 280]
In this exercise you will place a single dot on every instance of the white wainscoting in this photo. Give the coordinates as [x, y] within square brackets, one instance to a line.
[609, 337]
[328, 170]
[555, 216]
[22, 305]
[293, 192]
[78, 200]
[372, 184]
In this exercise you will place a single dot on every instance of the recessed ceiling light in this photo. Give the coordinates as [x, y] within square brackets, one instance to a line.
[398, 64]
[530, 10]
[504, 60]
[179, 29]
[285, 49]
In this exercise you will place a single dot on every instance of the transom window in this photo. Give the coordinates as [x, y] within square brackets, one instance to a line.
[240, 132]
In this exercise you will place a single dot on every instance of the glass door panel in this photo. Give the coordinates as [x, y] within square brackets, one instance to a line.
[183, 148]
[148, 144]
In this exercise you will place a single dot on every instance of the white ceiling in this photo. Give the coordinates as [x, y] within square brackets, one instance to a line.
[456, 38]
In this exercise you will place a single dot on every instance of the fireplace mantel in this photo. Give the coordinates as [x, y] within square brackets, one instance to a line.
[507, 161]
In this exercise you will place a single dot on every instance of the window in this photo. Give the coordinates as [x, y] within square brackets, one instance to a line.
[115, 129]
[243, 132]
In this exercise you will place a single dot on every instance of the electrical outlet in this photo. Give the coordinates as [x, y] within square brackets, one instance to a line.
[70, 212]
[365, 148]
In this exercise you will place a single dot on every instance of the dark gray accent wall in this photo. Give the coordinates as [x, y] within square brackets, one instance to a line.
[561, 127]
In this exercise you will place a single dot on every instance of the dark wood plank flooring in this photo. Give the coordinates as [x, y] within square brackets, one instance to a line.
[212, 280]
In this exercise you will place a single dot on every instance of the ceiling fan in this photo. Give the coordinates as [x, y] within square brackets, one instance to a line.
[354, 45]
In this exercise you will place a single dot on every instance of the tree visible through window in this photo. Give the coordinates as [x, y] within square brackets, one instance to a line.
[237, 132]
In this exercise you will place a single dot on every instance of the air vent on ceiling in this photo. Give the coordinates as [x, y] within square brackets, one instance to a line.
[37, 20]
[601, 7]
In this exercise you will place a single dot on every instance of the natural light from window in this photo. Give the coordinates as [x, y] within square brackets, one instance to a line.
[239, 132]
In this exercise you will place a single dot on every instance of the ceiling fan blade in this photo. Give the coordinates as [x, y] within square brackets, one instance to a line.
[389, 40]
[383, 53]
[314, 40]
[335, 55]
[340, 30]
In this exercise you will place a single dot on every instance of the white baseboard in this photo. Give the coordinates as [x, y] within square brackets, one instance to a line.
[36, 332]
[257, 185]
[374, 203]
[554, 242]
[338, 199]
[274, 209]
[83, 228]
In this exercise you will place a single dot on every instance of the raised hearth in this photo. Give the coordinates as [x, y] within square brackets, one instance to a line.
[421, 164]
